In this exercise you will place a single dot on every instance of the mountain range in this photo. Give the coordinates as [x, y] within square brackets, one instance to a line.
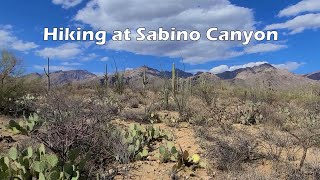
[262, 75]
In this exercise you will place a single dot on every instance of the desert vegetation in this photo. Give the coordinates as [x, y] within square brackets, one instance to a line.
[135, 125]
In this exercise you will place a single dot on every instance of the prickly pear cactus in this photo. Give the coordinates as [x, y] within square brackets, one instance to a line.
[250, 114]
[35, 164]
[25, 126]
[139, 138]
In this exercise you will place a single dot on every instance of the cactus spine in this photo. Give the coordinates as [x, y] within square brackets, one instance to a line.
[173, 81]
[47, 73]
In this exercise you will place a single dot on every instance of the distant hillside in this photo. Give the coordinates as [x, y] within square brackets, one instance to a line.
[62, 77]
[208, 77]
[266, 75]
[314, 76]
[180, 74]
[73, 76]
[253, 70]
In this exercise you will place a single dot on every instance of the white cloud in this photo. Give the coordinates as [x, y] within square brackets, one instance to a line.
[128, 69]
[291, 66]
[6, 26]
[53, 68]
[298, 24]
[98, 73]
[23, 46]
[224, 68]
[302, 6]
[67, 3]
[10, 41]
[71, 64]
[264, 47]
[104, 59]
[89, 57]
[64, 51]
[182, 14]
[194, 71]
[219, 69]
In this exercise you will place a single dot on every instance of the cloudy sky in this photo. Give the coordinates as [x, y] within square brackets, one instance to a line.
[297, 21]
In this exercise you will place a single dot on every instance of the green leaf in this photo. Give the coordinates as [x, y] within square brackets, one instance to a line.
[52, 160]
[6, 161]
[170, 145]
[138, 156]
[13, 153]
[77, 176]
[138, 143]
[132, 126]
[30, 152]
[162, 150]
[174, 150]
[131, 148]
[73, 154]
[144, 153]
[42, 149]
[41, 176]
[36, 166]
[14, 126]
[14, 130]
[68, 169]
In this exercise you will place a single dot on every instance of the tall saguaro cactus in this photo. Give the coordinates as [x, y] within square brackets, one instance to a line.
[106, 76]
[190, 85]
[173, 80]
[47, 73]
[144, 78]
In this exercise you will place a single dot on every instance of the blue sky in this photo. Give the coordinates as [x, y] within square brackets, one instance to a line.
[298, 23]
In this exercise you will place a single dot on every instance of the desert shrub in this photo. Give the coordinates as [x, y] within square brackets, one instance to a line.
[245, 175]
[206, 92]
[229, 155]
[73, 123]
[11, 87]
[113, 143]
[277, 144]
[133, 103]
[303, 126]
[295, 174]
[312, 168]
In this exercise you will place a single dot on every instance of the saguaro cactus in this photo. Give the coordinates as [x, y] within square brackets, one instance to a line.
[144, 78]
[106, 76]
[47, 73]
[173, 80]
[190, 85]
